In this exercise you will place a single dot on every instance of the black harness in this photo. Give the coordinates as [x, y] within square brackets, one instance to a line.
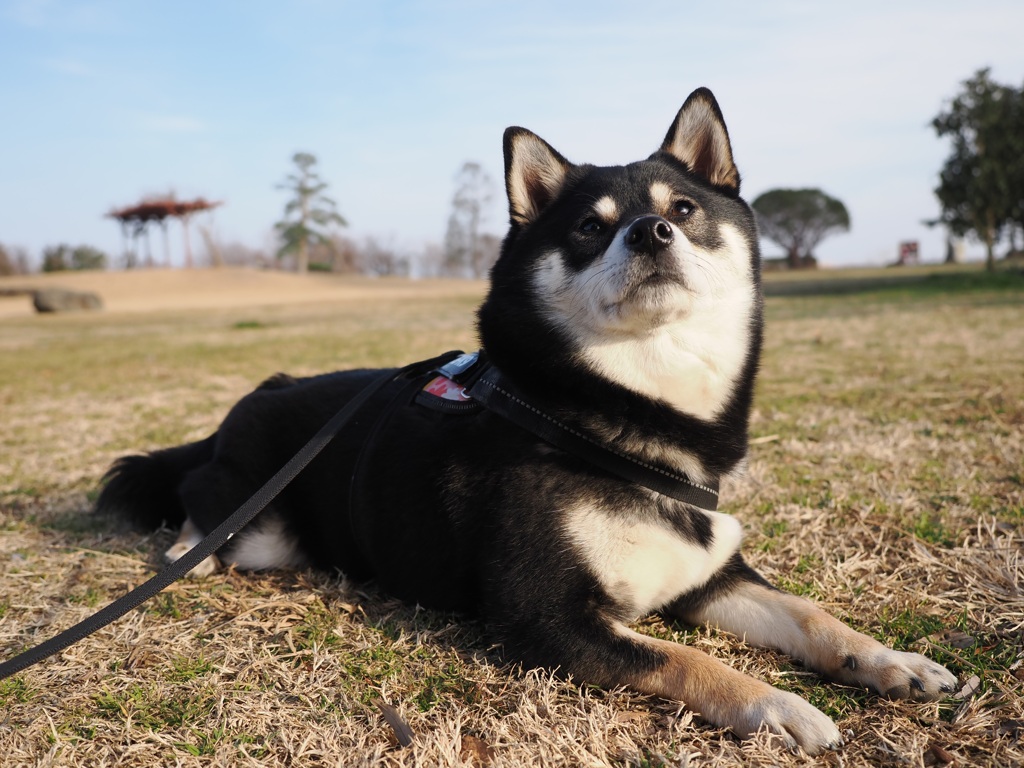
[478, 384]
[454, 383]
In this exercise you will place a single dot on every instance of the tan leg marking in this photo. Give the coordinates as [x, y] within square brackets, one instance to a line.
[730, 699]
[773, 619]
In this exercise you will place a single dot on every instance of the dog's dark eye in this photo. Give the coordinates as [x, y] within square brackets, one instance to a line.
[592, 226]
[682, 208]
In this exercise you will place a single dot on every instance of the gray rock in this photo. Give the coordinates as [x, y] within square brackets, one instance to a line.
[62, 300]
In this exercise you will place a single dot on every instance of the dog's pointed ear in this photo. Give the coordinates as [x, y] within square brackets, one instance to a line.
[534, 174]
[699, 139]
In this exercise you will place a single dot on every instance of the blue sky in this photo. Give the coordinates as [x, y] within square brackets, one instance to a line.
[106, 101]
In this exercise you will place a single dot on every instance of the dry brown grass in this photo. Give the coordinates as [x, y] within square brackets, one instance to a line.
[886, 482]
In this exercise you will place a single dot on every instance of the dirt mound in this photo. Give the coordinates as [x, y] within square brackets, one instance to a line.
[162, 289]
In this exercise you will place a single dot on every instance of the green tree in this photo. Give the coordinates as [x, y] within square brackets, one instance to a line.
[308, 215]
[799, 219]
[87, 257]
[57, 258]
[981, 184]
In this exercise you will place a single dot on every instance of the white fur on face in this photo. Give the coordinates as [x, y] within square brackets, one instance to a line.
[646, 564]
[684, 343]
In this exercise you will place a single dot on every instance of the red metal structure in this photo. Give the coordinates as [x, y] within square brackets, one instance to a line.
[135, 220]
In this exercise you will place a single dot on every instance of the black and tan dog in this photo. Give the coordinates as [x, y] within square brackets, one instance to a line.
[572, 490]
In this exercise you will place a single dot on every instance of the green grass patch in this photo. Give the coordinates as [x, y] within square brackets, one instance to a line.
[316, 630]
[903, 627]
[158, 708]
[14, 690]
[895, 285]
[168, 604]
[449, 681]
[803, 588]
[836, 701]
[205, 742]
[90, 597]
[930, 527]
[186, 668]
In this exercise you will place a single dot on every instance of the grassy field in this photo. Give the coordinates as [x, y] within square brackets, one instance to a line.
[886, 482]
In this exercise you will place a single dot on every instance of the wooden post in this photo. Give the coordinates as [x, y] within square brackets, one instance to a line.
[188, 244]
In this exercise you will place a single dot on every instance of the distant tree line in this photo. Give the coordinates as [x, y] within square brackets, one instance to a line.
[981, 184]
[980, 192]
[309, 237]
[338, 254]
[56, 258]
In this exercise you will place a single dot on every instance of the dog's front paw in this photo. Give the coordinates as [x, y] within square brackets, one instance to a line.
[207, 567]
[795, 720]
[901, 675]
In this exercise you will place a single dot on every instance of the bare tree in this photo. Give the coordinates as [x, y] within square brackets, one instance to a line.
[213, 252]
[430, 261]
[382, 260]
[13, 261]
[466, 252]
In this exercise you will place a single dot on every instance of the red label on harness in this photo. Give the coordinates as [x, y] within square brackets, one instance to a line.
[446, 389]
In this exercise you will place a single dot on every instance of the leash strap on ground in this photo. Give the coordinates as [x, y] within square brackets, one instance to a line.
[219, 536]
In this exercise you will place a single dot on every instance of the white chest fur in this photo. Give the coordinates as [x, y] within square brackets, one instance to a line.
[646, 564]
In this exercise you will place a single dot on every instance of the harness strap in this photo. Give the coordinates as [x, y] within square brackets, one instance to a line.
[219, 535]
[492, 390]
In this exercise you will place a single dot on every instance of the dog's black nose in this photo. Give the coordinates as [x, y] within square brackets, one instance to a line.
[649, 234]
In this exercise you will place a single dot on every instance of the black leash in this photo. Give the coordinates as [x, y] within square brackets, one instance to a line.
[484, 384]
[220, 535]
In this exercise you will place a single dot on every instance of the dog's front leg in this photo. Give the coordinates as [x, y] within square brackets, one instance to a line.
[723, 696]
[769, 618]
